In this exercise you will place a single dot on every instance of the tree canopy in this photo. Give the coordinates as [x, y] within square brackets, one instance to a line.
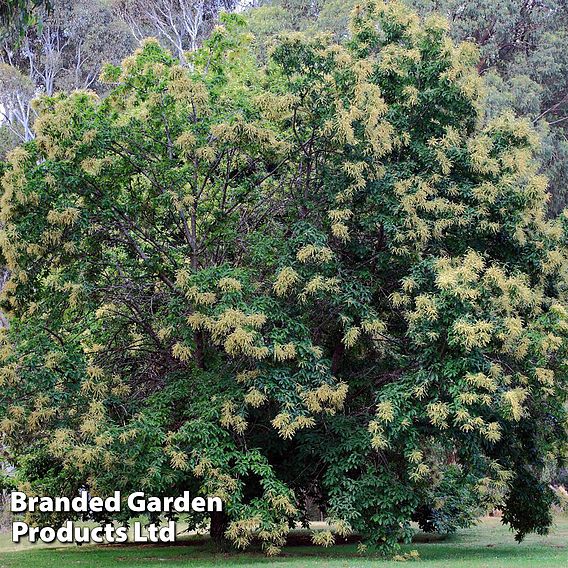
[321, 279]
[522, 56]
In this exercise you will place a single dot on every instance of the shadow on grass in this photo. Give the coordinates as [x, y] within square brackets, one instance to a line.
[489, 544]
[203, 554]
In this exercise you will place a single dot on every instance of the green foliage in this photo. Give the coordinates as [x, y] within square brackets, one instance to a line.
[8, 141]
[522, 54]
[452, 503]
[528, 506]
[326, 278]
[19, 14]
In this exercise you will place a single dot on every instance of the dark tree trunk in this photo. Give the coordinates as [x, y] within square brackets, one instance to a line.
[199, 350]
[337, 357]
[219, 524]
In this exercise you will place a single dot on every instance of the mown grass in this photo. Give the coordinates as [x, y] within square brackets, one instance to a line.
[488, 545]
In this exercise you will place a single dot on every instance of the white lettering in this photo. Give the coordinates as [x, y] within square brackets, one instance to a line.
[18, 502]
[19, 529]
[136, 502]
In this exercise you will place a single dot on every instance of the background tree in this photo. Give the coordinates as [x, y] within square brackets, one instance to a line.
[69, 49]
[75, 39]
[180, 24]
[16, 94]
[65, 53]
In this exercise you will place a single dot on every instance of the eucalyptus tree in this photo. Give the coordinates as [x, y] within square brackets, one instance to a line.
[180, 24]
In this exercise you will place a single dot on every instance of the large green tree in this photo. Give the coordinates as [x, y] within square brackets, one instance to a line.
[322, 279]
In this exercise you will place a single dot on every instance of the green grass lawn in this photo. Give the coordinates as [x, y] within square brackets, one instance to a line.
[488, 545]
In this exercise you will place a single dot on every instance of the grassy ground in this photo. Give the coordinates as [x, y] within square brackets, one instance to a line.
[489, 545]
